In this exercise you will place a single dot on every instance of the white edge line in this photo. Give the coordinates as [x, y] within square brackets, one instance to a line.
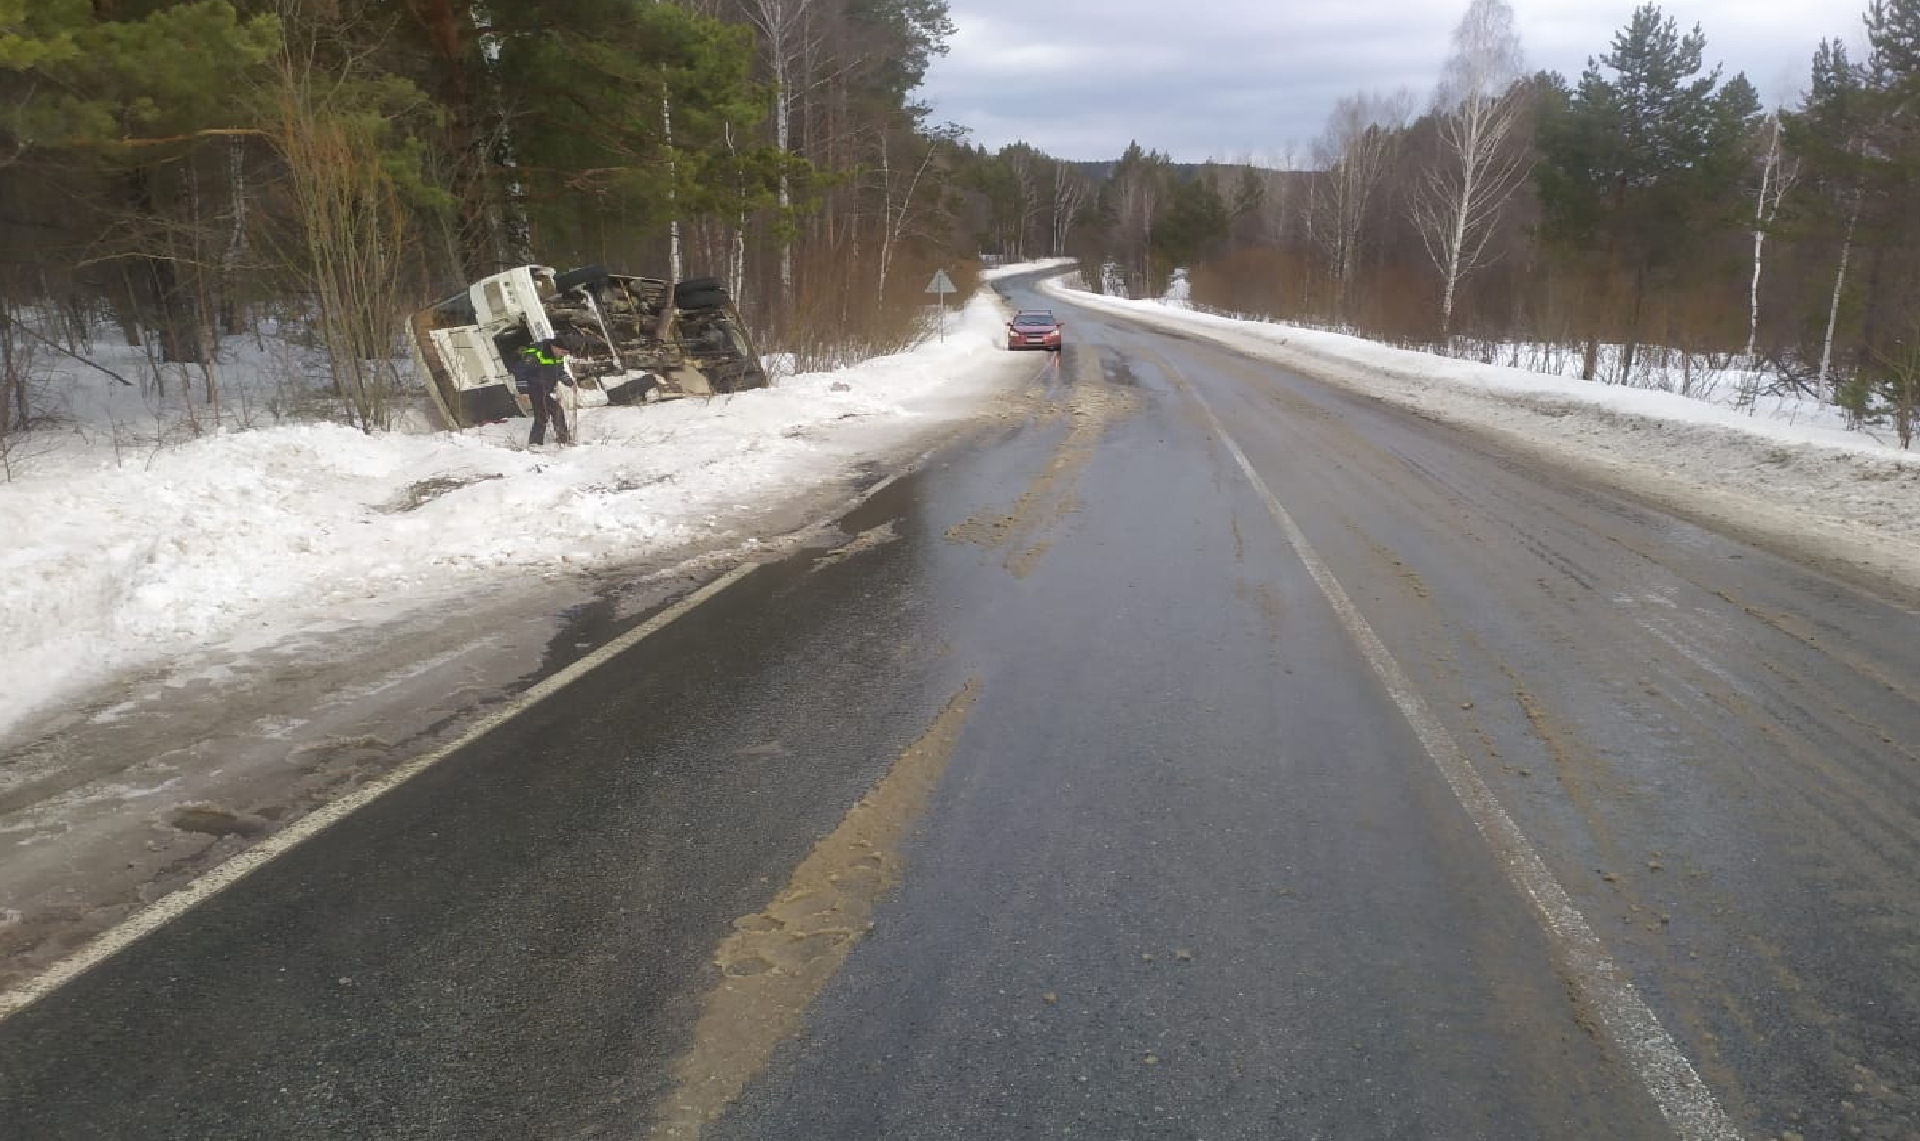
[230, 872]
[224, 875]
[1684, 1099]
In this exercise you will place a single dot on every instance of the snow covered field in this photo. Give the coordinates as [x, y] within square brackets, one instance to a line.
[123, 555]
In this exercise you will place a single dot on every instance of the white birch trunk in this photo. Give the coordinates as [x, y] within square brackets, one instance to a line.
[783, 140]
[236, 249]
[1458, 200]
[1833, 306]
[782, 25]
[894, 221]
[1067, 196]
[1775, 180]
[886, 216]
[674, 260]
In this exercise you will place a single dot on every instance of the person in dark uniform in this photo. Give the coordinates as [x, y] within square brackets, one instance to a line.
[541, 370]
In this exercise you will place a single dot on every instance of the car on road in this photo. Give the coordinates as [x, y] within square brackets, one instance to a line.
[1034, 329]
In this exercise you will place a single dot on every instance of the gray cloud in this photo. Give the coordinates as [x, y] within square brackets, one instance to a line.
[1079, 79]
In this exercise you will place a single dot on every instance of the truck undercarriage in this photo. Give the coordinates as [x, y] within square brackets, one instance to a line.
[638, 339]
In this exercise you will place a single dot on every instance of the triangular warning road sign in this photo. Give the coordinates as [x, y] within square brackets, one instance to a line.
[941, 283]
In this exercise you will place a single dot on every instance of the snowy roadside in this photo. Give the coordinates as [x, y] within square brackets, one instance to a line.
[120, 560]
[286, 613]
[247, 538]
[1782, 474]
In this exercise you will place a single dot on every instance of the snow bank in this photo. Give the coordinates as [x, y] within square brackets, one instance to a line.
[1783, 470]
[119, 558]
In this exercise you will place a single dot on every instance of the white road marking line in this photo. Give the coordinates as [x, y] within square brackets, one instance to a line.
[170, 907]
[1685, 1100]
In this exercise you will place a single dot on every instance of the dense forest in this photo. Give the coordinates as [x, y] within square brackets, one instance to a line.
[175, 173]
[172, 174]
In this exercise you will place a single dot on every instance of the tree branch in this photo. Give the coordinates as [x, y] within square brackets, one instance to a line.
[64, 351]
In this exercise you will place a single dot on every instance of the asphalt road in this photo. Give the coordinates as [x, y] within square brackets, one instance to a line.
[1241, 759]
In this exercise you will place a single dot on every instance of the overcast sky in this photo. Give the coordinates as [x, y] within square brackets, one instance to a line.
[1233, 79]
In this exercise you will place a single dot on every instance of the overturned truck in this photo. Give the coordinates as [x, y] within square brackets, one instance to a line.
[638, 339]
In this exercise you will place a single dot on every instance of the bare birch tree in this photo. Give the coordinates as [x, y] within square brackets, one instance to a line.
[1360, 138]
[1777, 176]
[783, 28]
[898, 189]
[1027, 203]
[1839, 288]
[1069, 194]
[1833, 135]
[676, 258]
[1479, 166]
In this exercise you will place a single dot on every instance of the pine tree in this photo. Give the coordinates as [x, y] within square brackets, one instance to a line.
[1134, 195]
[127, 99]
[906, 36]
[1640, 165]
[585, 99]
[1193, 223]
[1886, 379]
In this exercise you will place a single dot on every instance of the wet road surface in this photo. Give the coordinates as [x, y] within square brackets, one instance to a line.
[1070, 799]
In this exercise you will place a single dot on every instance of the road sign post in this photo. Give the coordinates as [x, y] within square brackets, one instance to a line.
[942, 285]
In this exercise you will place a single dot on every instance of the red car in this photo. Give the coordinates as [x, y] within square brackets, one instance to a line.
[1034, 329]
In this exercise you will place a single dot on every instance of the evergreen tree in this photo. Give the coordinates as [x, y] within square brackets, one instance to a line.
[1192, 224]
[126, 100]
[114, 85]
[1133, 199]
[1893, 30]
[437, 45]
[626, 109]
[907, 35]
[157, 143]
[1249, 197]
[1640, 164]
[1885, 380]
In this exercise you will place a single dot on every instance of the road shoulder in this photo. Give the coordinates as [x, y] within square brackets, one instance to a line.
[154, 780]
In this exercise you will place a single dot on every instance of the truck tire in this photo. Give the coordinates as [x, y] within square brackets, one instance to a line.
[737, 376]
[700, 293]
[485, 405]
[589, 275]
[633, 391]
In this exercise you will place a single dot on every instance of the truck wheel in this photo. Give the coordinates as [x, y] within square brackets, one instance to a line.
[484, 405]
[700, 293]
[589, 275]
[633, 391]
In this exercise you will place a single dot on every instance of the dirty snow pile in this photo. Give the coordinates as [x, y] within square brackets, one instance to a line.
[123, 554]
